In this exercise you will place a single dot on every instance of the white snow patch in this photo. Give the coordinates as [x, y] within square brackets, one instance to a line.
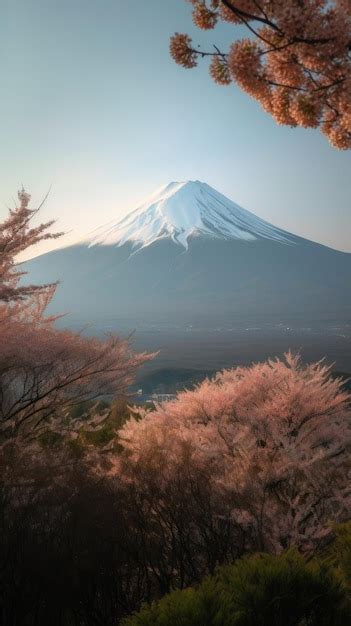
[181, 210]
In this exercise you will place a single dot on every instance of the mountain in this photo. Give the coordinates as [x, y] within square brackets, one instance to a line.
[189, 255]
[180, 211]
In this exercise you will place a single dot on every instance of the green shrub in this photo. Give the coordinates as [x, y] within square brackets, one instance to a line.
[189, 607]
[339, 552]
[266, 590]
[260, 590]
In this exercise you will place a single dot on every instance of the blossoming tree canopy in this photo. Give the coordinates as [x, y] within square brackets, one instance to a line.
[43, 369]
[274, 437]
[295, 60]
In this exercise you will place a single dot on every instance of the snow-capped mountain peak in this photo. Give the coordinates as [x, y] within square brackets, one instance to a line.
[182, 210]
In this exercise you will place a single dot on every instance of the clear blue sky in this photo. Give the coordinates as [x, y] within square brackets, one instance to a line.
[93, 105]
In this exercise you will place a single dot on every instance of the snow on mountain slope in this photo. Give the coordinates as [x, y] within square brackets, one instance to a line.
[181, 210]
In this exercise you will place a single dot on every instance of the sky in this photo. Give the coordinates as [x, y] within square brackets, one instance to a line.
[93, 108]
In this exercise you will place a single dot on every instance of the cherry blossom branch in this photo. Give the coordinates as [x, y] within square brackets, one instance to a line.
[249, 16]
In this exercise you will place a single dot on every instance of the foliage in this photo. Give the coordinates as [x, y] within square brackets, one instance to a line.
[61, 544]
[46, 489]
[185, 608]
[17, 235]
[295, 62]
[274, 439]
[64, 518]
[261, 590]
[338, 552]
[125, 544]
[125, 537]
[43, 370]
[123, 541]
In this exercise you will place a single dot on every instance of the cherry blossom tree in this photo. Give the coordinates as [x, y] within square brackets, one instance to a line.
[17, 235]
[274, 439]
[44, 369]
[295, 60]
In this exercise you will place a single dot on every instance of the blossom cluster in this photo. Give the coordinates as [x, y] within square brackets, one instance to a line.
[296, 62]
[274, 438]
[42, 368]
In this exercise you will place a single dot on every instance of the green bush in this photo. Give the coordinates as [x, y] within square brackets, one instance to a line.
[339, 552]
[343, 548]
[189, 607]
[266, 590]
[260, 590]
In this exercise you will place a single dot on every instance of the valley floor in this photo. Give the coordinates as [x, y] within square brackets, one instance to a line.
[207, 350]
